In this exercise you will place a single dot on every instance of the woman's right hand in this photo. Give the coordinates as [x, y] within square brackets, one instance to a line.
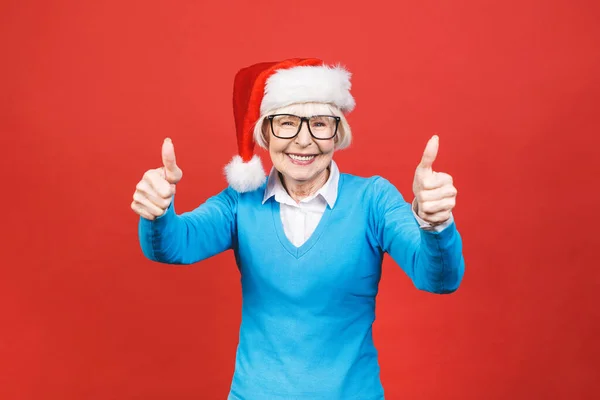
[154, 193]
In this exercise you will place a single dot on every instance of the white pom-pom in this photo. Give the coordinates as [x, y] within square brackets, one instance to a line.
[245, 177]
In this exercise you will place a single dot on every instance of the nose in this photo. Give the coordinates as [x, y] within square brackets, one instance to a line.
[304, 139]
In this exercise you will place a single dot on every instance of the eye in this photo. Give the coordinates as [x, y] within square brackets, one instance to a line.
[319, 123]
[286, 121]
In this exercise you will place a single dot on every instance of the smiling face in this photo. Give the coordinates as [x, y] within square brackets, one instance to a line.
[302, 160]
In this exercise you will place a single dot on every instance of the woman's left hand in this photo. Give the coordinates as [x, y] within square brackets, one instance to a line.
[434, 191]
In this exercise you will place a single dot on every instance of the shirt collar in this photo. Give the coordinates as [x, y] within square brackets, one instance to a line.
[328, 191]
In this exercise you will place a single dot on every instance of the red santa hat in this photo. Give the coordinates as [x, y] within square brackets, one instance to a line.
[266, 86]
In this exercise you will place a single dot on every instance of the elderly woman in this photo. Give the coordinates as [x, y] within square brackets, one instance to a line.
[309, 241]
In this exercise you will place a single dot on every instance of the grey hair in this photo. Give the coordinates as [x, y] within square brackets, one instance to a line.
[342, 139]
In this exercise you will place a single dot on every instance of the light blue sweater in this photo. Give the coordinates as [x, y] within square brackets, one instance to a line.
[307, 313]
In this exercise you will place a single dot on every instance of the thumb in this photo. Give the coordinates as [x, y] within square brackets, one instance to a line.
[430, 153]
[172, 172]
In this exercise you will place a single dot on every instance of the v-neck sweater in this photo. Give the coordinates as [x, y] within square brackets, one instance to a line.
[307, 312]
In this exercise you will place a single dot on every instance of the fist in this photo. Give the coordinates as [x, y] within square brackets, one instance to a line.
[154, 193]
[435, 194]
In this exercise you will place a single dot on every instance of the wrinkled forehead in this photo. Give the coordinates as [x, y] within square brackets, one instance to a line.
[306, 109]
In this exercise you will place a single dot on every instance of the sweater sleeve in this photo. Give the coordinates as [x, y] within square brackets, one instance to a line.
[433, 260]
[192, 236]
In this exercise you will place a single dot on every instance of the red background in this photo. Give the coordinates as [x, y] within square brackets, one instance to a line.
[90, 89]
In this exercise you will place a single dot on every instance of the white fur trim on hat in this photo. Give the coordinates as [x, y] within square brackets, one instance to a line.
[245, 177]
[308, 84]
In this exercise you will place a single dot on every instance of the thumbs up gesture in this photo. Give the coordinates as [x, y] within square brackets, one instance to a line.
[434, 192]
[154, 193]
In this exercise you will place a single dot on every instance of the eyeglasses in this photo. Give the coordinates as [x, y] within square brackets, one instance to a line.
[288, 126]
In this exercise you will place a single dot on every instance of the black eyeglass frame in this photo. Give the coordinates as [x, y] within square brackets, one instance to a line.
[302, 119]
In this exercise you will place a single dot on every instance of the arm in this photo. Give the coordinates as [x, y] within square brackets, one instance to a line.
[433, 260]
[192, 236]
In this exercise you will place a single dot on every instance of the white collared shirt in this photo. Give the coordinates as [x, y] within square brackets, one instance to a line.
[300, 220]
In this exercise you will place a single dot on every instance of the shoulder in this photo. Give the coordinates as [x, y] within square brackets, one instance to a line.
[373, 191]
[252, 197]
[228, 200]
[371, 183]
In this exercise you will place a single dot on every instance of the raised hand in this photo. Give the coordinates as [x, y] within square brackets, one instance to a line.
[154, 193]
[434, 191]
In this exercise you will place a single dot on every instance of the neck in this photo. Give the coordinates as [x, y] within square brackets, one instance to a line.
[301, 190]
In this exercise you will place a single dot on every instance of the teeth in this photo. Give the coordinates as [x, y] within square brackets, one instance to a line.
[301, 158]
